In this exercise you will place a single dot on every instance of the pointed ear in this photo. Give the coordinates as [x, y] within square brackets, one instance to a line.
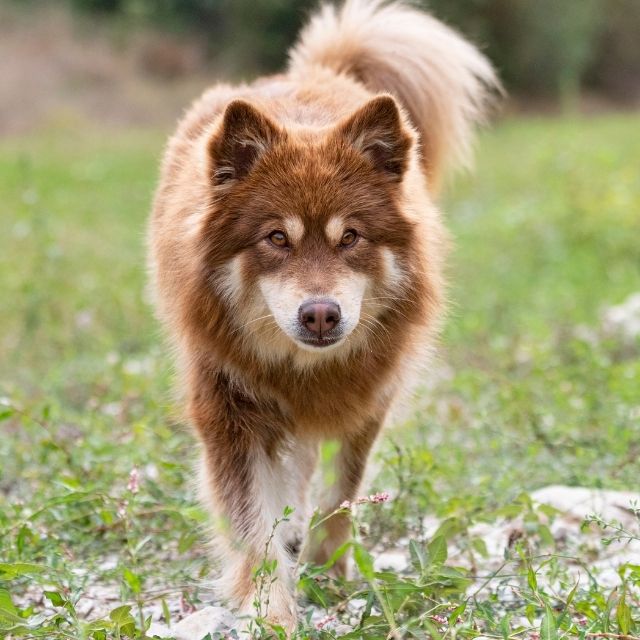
[376, 131]
[245, 134]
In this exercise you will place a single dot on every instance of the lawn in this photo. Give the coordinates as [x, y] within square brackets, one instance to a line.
[99, 528]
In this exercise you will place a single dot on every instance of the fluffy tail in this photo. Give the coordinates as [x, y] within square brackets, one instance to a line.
[441, 79]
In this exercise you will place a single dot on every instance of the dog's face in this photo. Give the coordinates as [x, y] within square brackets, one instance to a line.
[308, 233]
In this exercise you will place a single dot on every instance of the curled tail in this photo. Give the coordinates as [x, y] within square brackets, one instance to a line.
[441, 79]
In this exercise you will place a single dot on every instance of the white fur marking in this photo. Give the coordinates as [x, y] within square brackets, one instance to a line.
[230, 284]
[334, 229]
[283, 298]
[294, 228]
[393, 274]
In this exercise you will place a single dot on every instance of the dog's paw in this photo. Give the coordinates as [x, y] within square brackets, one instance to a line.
[282, 608]
[277, 609]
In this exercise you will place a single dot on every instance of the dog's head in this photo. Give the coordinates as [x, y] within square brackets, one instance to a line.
[308, 235]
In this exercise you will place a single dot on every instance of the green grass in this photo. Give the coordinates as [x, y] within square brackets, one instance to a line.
[547, 236]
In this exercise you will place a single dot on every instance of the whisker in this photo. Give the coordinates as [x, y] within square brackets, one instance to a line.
[366, 323]
[404, 298]
[370, 318]
[396, 310]
[259, 327]
[250, 322]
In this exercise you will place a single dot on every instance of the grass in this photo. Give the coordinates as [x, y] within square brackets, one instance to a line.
[528, 391]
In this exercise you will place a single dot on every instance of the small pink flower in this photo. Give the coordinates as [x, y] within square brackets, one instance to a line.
[134, 481]
[185, 605]
[439, 619]
[321, 624]
[122, 509]
[374, 498]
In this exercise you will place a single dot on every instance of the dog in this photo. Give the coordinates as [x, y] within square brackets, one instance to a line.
[296, 256]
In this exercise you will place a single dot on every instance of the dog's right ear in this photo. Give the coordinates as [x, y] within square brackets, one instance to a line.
[376, 131]
[245, 134]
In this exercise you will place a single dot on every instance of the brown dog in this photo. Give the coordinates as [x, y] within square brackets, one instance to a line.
[296, 257]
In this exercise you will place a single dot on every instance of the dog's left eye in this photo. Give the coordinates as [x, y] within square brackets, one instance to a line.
[349, 238]
[279, 239]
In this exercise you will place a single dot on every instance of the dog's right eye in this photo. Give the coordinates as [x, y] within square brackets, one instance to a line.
[279, 239]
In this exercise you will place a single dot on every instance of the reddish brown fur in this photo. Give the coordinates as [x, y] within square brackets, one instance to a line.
[315, 145]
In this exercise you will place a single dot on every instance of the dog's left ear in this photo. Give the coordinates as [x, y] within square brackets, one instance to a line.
[376, 131]
[245, 134]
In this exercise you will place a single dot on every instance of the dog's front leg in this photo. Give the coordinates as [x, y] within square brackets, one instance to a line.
[351, 462]
[300, 462]
[244, 483]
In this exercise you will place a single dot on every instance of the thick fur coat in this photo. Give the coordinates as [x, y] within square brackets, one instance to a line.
[296, 257]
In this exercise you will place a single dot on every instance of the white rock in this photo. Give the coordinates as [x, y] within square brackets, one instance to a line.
[159, 630]
[624, 319]
[342, 630]
[430, 525]
[356, 604]
[391, 561]
[580, 502]
[207, 620]
[495, 535]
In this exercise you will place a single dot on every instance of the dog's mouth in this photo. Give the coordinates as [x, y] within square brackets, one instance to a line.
[321, 342]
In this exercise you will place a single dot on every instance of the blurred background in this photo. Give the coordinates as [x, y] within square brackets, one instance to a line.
[138, 61]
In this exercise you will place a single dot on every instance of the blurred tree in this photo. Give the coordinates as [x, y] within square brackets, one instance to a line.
[557, 43]
[544, 47]
[616, 63]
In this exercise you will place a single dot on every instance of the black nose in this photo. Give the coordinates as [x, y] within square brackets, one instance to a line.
[319, 317]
